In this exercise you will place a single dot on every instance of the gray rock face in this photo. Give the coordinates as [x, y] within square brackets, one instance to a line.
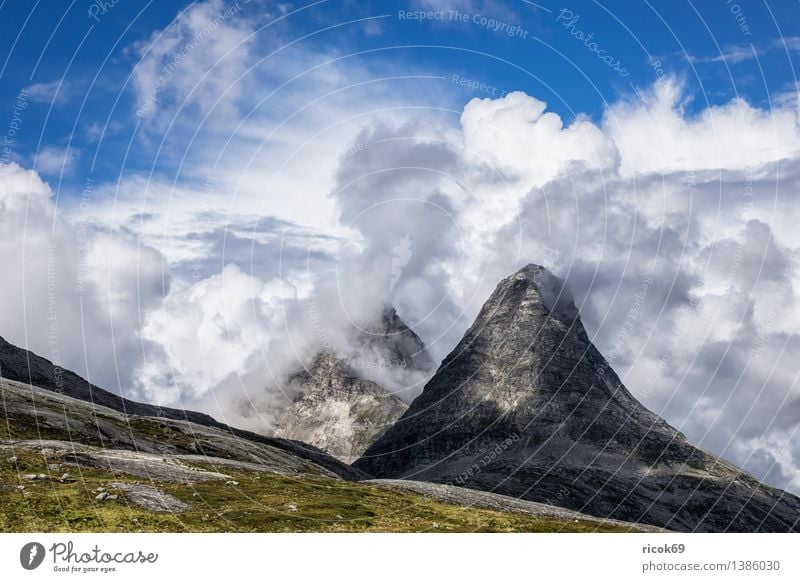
[341, 411]
[150, 498]
[526, 406]
[338, 412]
[396, 343]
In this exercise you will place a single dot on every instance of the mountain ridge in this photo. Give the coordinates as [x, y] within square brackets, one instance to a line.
[136, 472]
[21, 365]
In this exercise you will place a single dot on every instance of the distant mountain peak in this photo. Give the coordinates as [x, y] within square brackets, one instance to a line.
[336, 410]
[339, 408]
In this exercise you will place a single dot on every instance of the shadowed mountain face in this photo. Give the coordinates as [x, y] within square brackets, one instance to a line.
[526, 406]
[341, 411]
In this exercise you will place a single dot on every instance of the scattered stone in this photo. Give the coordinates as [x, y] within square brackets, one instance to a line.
[111, 497]
[234, 483]
[13, 461]
[100, 489]
[143, 465]
[20, 487]
[292, 507]
[66, 478]
[42, 476]
[30, 477]
[150, 498]
[101, 496]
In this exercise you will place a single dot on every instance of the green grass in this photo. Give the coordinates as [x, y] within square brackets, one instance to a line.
[262, 502]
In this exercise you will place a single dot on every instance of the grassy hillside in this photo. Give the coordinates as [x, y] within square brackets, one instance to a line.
[217, 481]
[258, 502]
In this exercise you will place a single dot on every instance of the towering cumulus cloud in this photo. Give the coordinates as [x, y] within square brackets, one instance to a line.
[73, 292]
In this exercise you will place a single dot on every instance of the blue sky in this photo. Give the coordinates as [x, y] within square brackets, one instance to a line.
[711, 46]
[183, 185]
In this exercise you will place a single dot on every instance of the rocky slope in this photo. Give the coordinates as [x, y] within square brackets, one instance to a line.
[70, 465]
[41, 401]
[24, 366]
[337, 411]
[526, 406]
[340, 410]
[485, 500]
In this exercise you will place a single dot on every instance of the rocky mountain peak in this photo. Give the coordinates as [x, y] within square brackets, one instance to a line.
[525, 405]
[531, 295]
[340, 407]
[393, 341]
[337, 411]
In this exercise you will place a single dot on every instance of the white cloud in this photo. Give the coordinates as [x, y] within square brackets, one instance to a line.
[210, 330]
[516, 132]
[654, 133]
[54, 160]
[55, 92]
[788, 43]
[74, 294]
[731, 55]
[196, 61]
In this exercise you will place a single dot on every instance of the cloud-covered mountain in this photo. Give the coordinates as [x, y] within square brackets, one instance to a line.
[337, 409]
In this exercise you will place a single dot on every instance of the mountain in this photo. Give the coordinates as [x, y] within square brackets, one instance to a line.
[526, 406]
[70, 464]
[91, 435]
[396, 344]
[63, 418]
[338, 409]
[338, 412]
